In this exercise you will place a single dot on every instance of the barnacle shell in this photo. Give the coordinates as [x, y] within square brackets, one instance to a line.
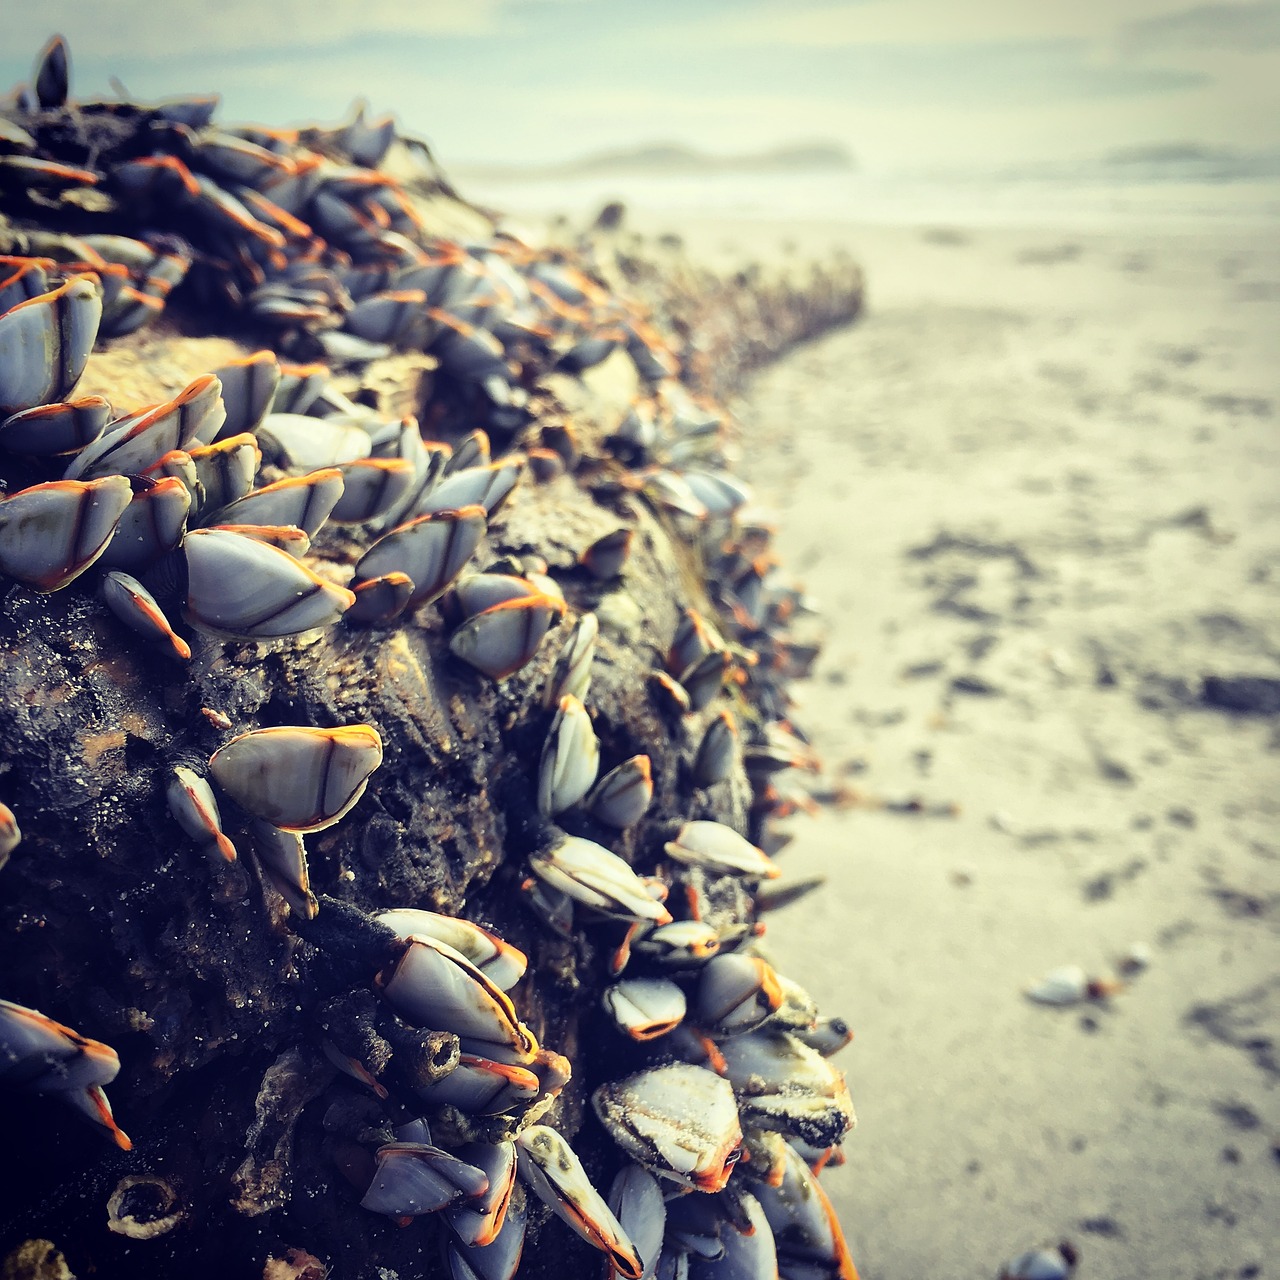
[298, 779]
[681, 1121]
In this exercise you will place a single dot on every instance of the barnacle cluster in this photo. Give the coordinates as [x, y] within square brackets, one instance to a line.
[342, 602]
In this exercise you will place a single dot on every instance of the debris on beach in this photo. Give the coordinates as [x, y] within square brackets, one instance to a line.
[1069, 985]
[1051, 1262]
[391, 661]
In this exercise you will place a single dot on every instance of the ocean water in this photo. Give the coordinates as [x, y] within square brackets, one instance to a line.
[1088, 197]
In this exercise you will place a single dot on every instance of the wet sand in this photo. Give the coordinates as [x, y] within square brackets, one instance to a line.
[1037, 493]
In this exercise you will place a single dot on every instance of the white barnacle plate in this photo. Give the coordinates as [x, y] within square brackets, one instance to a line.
[680, 1121]
[380, 600]
[636, 1200]
[827, 1036]
[136, 607]
[482, 1087]
[749, 1254]
[645, 1008]
[239, 586]
[498, 960]
[45, 343]
[805, 1228]
[52, 429]
[589, 873]
[226, 469]
[1068, 984]
[736, 994]
[51, 533]
[476, 592]
[283, 856]
[372, 487]
[151, 524]
[783, 1084]
[43, 1055]
[1040, 1264]
[248, 388]
[680, 944]
[306, 444]
[489, 485]
[552, 1170]
[570, 758]
[413, 1178]
[717, 848]
[132, 444]
[704, 679]
[503, 638]
[604, 558]
[498, 1260]
[431, 549]
[717, 751]
[299, 779]
[303, 501]
[621, 797]
[478, 1221]
[435, 986]
[195, 809]
[572, 671]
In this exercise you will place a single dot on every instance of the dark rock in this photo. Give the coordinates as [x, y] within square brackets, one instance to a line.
[1242, 695]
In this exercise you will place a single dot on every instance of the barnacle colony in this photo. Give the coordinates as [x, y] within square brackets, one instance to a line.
[294, 681]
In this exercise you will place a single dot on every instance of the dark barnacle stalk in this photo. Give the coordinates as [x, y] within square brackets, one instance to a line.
[255, 690]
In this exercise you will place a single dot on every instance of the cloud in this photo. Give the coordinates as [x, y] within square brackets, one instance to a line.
[189, 29]
[1239, 28]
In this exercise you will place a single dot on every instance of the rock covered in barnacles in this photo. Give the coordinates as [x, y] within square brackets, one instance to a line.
[222, 982]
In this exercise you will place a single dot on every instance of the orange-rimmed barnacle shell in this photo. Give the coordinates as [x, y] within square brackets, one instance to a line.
[298, 779]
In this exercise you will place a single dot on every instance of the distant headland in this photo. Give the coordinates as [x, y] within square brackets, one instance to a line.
[663, 159]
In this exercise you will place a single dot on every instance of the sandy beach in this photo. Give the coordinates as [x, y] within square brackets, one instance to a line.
[1035, 492]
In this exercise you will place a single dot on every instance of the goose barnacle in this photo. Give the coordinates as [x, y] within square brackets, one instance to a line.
[570, 758]
[478, 1220]
[136, 607]
[717, 752]
[590, 874]
[151, 525]
[45, 344]
[736, 994]
[498, 960]
[679, 1121]
[413, 1178]
[195, 809]
[304, 501]
[501, 639]
[718, 848]
[552, 1170]
[645, 1008]
[133, 443]
[572, 671]
[239, 586]
[435, 986]
[622, 796]
[10, 833]
[605, 557]
[51, 533]
[299, 779]
[43, 1055]
[52, 429]
[431, 549]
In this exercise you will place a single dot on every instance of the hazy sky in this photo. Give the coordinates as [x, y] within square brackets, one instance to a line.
[903, 83]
